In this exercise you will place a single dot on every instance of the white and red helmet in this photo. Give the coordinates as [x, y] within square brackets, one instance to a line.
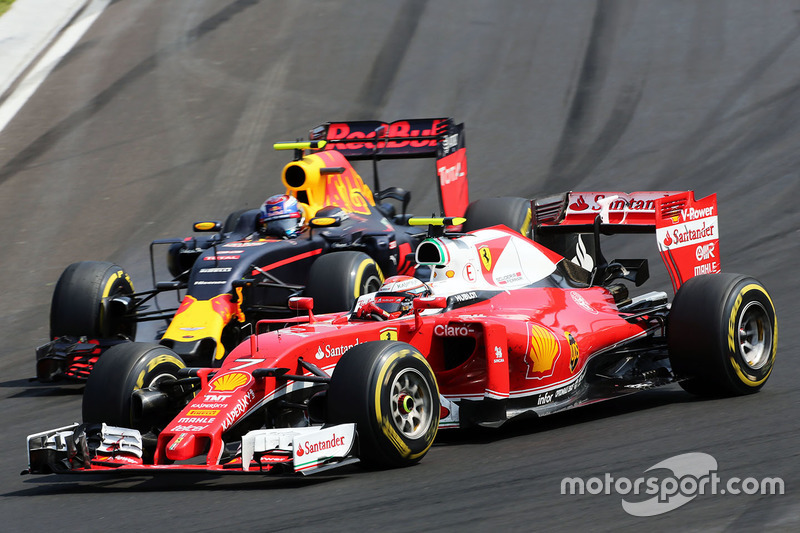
[394, 299]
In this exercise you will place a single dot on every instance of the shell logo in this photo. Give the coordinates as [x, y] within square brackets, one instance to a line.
[544, 351]
[230, 382]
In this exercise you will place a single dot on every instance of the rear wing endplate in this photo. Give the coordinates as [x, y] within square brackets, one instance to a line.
[687, 230]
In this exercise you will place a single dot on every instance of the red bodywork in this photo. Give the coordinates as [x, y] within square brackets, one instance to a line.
[510, 325]
[489, 344]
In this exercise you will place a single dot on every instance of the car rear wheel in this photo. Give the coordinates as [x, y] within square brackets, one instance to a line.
[388, 389]
[722, 334]
[515, 213]
[337, 279]
[89, 300]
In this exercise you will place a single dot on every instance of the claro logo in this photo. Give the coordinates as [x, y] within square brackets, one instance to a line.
[451, 330]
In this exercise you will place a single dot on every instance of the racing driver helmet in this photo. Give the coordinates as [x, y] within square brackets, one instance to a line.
[280, 216]
[394, 299]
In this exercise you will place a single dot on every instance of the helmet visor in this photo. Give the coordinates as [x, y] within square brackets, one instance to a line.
[280, 227]
[392, 304]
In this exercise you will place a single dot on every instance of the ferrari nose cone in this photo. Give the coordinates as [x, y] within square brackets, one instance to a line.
[182, 447]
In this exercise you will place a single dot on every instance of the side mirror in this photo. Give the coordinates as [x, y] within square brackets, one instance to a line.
[427, 302]
[301, 303]
[325, 222]
[207, 225]
[430, 302]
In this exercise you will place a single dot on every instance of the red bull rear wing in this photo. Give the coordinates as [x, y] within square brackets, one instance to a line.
[428, 137]
[687, 230]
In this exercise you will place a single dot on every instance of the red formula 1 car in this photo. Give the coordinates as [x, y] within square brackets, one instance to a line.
[504, 326]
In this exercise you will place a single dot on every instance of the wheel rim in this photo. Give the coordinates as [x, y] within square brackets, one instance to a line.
[166, 376]
[411, 403]
[755, 335]
[370, 285]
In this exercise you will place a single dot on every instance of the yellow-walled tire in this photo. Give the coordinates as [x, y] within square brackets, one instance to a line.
[337, 279]
[81, 302]
[722, 334]
[388, 389]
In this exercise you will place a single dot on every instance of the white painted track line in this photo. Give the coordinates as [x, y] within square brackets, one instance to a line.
[27, 29]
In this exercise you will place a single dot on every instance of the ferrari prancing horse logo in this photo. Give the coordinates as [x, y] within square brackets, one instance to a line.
[486, 257]
[388, 334]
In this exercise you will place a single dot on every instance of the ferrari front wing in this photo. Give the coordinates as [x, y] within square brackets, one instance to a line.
[100, 448]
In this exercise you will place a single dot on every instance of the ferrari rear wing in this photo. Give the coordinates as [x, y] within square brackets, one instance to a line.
[374, 140]
[619, 212]
[687, 230]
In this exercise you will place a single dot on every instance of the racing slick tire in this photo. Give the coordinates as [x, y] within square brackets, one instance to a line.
[81, 304]
[515, 213]
[337, 279]
[389, 390]
[722, 335]
[120, 371]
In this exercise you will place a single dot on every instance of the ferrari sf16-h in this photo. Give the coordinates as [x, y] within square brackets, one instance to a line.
[504, 326]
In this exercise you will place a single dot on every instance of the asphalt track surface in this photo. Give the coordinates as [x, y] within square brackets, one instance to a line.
[165, 112]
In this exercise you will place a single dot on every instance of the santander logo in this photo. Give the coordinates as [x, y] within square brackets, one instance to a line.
[668, 240]
[579, 205]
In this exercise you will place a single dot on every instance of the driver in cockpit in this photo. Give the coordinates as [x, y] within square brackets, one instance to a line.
[280, 216]
[394, 299]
